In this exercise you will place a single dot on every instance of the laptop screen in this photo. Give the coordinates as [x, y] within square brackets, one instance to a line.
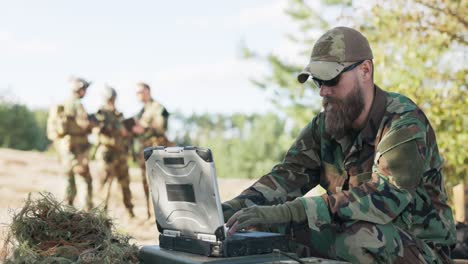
[184, 190]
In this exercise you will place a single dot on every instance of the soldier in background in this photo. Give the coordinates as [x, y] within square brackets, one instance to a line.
[113, 147]
[73, 145]
[151, 128]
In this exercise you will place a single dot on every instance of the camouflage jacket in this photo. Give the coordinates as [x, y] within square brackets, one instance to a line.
[109, 129]
[77, 125]
[388, 172]
[153, 118]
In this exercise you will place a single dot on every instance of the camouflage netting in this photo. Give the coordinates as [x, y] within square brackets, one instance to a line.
[46, 231]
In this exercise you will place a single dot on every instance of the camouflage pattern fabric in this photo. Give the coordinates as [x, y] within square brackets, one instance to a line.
[153, 118]
[73, 148]
[384, 184]
[365, 242]
[112, 153]
[56, 121]
[335, 50]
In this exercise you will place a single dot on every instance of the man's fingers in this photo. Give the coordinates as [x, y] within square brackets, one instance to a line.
[233, 219]
[246, 216]
[240, 216]
[248, 223]
[233, 229]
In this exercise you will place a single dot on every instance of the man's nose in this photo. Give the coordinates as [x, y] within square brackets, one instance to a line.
[325, 90]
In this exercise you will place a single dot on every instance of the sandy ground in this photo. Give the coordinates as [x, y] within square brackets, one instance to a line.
[22, 172]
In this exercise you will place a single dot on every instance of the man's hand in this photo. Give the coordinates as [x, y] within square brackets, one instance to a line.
[276, 214]
[124, 132]
[230, 208]
[138, 129]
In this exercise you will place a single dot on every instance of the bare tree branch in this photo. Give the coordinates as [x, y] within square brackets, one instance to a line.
[447, 10]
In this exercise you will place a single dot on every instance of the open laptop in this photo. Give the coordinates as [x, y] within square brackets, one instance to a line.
[188, 210]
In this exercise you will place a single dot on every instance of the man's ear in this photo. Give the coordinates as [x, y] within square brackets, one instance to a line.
[366, 70]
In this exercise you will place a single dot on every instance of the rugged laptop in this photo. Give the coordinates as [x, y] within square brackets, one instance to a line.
[188, 210]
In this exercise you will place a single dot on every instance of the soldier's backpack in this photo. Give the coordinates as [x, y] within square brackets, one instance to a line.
[56, 122]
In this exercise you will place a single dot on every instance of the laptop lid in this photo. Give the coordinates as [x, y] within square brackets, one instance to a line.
[185, 193]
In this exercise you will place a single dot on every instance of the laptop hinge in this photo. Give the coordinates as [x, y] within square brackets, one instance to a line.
[171, 233]
[206, 237]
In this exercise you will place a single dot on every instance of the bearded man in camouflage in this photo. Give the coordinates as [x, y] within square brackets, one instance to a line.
[374, 152]
[74, 147]
[151, 129]
[113, 148]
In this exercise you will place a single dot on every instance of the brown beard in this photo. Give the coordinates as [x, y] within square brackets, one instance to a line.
[339, 120]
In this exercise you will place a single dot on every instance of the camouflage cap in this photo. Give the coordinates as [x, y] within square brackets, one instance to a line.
[79, 83]
[336, 49]
[109, 93]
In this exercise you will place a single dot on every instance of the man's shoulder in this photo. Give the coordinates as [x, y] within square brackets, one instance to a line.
[404, 119]
[110, 115]
[111, 111]
[72, 105]
[104, 112]
[399, 104]
[153, 107]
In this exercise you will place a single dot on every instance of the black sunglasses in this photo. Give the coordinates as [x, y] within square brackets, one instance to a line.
[335, 80]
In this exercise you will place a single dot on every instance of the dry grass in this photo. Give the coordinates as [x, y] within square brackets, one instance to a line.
[46, 231]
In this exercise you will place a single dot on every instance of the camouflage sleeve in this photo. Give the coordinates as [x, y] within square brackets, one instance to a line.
[398, 168]
[81, 116]
[153, 120]
[293, 177]
[106, 124]
[76, 118]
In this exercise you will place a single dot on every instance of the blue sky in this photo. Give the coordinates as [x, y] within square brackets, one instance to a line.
[188, 51]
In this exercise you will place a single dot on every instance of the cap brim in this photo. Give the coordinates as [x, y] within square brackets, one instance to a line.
[323, 70]
[87, 84]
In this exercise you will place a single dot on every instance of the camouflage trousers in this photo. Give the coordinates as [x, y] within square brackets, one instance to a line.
[113, 165]
[75, 161]
[364, 242]
[141, 164]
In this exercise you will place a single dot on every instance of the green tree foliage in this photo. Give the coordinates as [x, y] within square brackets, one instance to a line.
[20, 128]
[244, 146]
[40, 116]
[420, 50]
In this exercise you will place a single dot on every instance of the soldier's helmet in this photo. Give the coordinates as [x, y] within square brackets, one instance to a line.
[79, 83]
[109, 93]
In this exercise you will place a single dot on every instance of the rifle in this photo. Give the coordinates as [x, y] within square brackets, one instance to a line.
[106, 201]
[129, 123]
[94, 122]
[92, 119]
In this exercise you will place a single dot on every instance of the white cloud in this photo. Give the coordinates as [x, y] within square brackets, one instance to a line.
[227, 69]
[221, 86]
[197, 22]
[11, 44]
[271, 13]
